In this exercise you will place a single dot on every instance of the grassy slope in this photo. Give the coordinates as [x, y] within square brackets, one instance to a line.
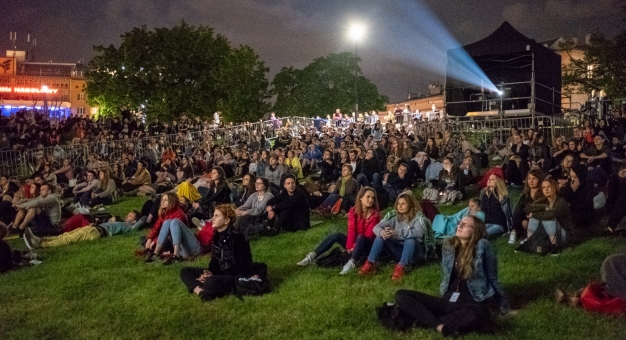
[99, 290]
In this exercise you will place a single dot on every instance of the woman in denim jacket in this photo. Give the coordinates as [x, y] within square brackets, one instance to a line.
[470, 278]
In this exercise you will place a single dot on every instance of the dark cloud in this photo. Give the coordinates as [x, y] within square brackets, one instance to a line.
[294, 32]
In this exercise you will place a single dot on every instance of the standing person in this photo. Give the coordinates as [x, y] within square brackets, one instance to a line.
[362, 219]
[496, 204]
[401, 235]
[231, 258]
[470, 279]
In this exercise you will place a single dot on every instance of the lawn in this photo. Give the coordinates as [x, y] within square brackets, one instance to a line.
[99, 290]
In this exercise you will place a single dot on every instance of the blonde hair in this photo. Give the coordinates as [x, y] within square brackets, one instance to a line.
[500, 190]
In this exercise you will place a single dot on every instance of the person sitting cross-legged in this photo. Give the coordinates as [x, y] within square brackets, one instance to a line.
[231, 258]
[361, 221]
[401, 235]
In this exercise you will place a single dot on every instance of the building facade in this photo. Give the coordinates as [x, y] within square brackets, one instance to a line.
[57, 88]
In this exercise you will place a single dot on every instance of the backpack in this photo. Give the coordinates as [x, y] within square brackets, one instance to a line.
[538, 242]
[256, 284]
[335, 258]
[392, 317]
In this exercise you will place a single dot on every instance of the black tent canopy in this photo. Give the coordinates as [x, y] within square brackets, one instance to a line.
[506, 56]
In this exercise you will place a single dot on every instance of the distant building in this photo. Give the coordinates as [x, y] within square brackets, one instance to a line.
[56, 87]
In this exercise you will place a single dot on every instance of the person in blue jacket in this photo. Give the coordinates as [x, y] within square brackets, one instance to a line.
[445, 225]
[470, 279]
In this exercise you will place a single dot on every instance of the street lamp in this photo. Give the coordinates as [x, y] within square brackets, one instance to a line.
[356, 33]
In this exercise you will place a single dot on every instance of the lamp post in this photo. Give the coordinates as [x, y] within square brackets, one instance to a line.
[355, 33]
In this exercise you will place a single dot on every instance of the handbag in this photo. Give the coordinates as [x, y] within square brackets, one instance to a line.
[336, 207]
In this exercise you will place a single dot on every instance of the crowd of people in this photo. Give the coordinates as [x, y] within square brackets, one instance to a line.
[213, 197]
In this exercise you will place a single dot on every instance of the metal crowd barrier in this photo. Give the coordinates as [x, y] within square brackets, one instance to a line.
[24, 163]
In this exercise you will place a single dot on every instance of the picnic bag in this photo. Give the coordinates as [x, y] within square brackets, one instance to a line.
[255, 284]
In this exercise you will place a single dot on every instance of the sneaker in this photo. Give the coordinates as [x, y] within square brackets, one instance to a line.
[310, 257]
[173, 259]
[367, 268]
[32, 241]
[198, 223]
[101, 209]
[512, 237]
[149, 257]
[398, 273]
[348, 267]
[555, 250]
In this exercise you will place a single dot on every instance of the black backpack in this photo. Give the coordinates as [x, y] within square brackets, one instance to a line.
[335, 258]
[392, 317]
[256, 284]
[539, 242]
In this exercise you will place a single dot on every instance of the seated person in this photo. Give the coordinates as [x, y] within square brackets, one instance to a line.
[613, 273]
[368, 167]
[218, 193]
[289, 210]
[401, 235]
[311, 157]
[6, 257]
[532, 192]
[598, 161]
[579, 193]
[616, 200]
[445, 225]
[169, 209]
[247, 189]
[251, 214]
[131, 185]
[395, 182]
[44, 211]
[552, 213]
[82, 191]
[273, 172]
[230, 259]
[103, 194]
[470, 279]
[496, 204]
[345, 189]
[89, 232]
[329, 171]
[362, 219]
[449, 182]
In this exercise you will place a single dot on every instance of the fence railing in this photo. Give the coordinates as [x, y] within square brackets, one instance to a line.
[23, 163]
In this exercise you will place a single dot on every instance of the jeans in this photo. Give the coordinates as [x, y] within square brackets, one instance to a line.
[188, 244]
[329, 241]
[494, 229]
[402, 251]
[362, 181]
[215, 286]
[330, 201]
[204, 191]
[549, 225]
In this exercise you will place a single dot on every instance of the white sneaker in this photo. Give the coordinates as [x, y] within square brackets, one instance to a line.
[198, 223]
[512, 237]
[310, 257]
[348, 267]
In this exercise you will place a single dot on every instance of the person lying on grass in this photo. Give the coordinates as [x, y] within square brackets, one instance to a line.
[470, 278]
[230, 258]
[445, 225]
[87, 233]
[401, 235]
[361, 221]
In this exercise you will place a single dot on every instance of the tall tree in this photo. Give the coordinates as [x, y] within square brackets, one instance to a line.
[324, 85]
[169, 72]
[603, 66]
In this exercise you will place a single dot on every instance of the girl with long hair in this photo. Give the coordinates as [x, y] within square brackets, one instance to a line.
[532, 192]
[552, 213]
[230, 259]
[169, 209]
[185, 244]
[431, 148]
[496, 204]
[103, 194]
[219, 192]
[470, 279]
[401, 235]
[362, 218]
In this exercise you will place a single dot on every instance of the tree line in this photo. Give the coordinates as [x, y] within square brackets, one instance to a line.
[193, 71]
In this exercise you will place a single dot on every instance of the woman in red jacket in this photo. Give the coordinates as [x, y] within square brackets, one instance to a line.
[362, 219]
[169, 210]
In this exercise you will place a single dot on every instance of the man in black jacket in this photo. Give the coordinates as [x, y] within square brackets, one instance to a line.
[395, 182]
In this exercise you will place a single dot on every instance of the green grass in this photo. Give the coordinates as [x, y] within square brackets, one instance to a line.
[98, 290]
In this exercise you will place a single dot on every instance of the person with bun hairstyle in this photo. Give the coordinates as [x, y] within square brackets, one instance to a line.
[470, 279]
[362, 218]
[231, 258]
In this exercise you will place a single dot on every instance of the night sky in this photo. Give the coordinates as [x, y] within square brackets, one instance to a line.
[294, 32]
